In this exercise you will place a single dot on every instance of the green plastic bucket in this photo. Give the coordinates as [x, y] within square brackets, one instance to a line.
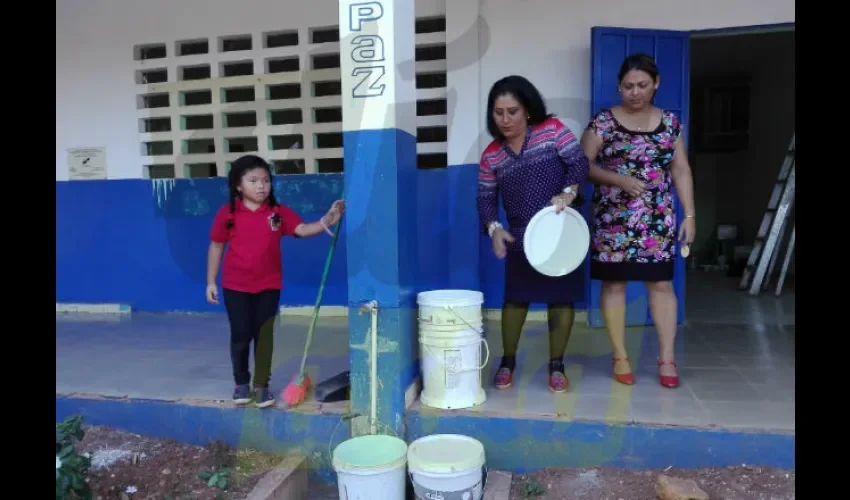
[370, 467]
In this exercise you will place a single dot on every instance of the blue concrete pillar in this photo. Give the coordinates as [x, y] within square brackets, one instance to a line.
[379, 141]
[467, 139]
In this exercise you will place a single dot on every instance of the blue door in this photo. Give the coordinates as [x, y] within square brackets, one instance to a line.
[609, 46]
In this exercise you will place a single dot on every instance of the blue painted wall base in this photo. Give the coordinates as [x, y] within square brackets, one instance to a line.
[524, 445]
[515, 444]
[144, 243]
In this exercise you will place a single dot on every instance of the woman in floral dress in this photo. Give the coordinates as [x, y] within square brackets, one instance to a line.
[640, 155]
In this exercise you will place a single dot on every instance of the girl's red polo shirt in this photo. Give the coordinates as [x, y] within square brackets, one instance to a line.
[253, 262]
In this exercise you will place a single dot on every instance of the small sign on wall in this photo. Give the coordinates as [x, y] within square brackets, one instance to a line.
[86, 164]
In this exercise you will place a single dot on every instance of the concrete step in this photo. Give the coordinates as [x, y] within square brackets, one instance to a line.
[287, 481]
[498, 485]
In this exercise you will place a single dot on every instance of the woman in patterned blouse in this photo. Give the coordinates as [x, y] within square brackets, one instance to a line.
[533, 161]
[640, 155]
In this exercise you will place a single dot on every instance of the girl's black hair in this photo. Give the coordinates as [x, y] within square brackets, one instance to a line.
[523, 91]
[238, 169]
[639, 62]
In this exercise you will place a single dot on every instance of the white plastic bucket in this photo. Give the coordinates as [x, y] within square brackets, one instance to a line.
[450, 307]
[446, 467]
[370, 467]
[451, 364]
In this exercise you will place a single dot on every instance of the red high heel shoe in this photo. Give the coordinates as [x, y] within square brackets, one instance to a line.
[669, 381]
[624, 378]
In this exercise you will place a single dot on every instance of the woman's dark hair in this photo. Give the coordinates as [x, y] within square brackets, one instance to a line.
[238, 169]
[638, 62]
[523, 91]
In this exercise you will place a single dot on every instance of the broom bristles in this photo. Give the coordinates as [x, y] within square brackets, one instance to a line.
[296, 392]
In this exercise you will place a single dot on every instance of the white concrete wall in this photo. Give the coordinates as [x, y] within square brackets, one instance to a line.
[548, 41]
[95, 68]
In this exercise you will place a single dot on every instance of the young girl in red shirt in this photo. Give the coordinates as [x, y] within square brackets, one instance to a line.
[251, 226]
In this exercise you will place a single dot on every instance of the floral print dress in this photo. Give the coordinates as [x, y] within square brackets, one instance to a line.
[634, 239]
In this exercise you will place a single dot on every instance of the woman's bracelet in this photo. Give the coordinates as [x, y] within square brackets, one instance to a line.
[492, 227]
[325, 226]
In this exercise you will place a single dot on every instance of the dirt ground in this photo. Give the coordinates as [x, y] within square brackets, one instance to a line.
[132, 467]
[730, 483]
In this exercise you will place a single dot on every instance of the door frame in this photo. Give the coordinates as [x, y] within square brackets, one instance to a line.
[744, 30]
[755, 29]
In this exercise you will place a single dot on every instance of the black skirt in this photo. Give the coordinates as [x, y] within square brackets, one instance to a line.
[631, 271]
[524, 284]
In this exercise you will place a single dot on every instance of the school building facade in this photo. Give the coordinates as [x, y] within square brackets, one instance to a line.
[380, 101]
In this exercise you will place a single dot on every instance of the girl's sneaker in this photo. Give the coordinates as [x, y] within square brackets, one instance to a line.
[264, 397]
[242, 394]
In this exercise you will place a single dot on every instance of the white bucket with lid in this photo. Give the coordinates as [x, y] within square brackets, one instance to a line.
[370, 467]
[450, 307]
[451, 334]
[447, 467]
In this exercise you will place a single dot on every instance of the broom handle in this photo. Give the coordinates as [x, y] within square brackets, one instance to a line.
[316, 307]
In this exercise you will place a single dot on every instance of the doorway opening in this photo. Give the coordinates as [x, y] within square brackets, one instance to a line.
[742, 118]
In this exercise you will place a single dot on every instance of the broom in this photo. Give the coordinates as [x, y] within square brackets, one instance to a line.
[296, 391]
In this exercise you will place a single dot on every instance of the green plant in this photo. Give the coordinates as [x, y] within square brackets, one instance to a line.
[532, 489]
[72, 468]
[219, 479]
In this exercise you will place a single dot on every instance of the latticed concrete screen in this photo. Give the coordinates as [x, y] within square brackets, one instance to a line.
[202, 103]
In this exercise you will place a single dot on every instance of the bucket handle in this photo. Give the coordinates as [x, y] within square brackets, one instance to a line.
[483, 365]
[452, 310]
[351, 416]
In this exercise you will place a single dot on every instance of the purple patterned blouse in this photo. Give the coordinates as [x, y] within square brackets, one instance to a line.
[550, 160]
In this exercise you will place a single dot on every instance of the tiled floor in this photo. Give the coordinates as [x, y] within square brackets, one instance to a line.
[179, 356]
[733, 376]
[713, 298]
[736, 359]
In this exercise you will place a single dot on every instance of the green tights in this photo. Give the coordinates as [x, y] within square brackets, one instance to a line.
[561, 317]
